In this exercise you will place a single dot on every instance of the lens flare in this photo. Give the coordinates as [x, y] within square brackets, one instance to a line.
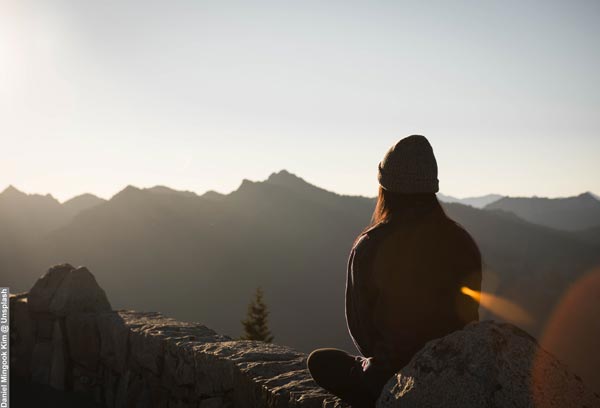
[499, 306]
[572, 332]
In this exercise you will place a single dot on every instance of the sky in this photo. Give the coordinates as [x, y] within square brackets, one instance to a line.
[198, 95]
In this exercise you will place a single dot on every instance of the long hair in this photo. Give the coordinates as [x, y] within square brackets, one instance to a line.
[406, 207]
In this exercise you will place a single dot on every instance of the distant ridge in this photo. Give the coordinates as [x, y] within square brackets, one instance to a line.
[167, 190]
[477, 202]
[570, 213]
[12, 193]
[290, 181]
[282, 178]
[82, 202]
[22, 215]
[213, 195]
[127, 192]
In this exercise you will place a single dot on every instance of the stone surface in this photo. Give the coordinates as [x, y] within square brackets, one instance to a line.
[258, 374]
[487, 364]
[84, 380]
[121, 393]
[41, 361]
[83, 339]
[114, 340]
[44, 326]
[215, 402]
[64, 290]
[58, 367]
[78, 293]
[43, 290]
[22, 336]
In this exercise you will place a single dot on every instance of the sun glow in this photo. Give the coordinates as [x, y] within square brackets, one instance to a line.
[499, 306]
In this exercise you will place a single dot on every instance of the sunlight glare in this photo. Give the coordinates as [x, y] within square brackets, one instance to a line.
[499, 306]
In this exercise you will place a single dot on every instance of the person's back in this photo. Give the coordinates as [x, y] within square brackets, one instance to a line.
[404, 284]
[404, 279]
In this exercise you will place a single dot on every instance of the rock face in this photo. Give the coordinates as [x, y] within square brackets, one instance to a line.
[40, 345]
[65, 290]
[65, 334]
[487, 364]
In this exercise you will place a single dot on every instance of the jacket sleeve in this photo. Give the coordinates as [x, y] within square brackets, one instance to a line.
[468, 268]
[362, 310]
[360, 298]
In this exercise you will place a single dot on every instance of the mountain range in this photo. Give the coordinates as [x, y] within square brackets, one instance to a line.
[477, 202]
[201, 257]
[570, 213]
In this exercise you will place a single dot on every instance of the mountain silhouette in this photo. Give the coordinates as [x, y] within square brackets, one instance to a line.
[30, 213]
[570, 213]
[213, 195]
[200, 257]
[24, 220]
[167, 190]
[591, 235]
[477, 202]
[80, 203]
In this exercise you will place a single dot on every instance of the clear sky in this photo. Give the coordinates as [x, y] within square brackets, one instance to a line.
[197, 95]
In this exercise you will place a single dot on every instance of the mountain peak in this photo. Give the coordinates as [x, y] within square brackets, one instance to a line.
[168, 190]
[84, 196]
[126, 192]
[82, 202]
[13, 193]
[12, 190]
[284, 177]
[588, 196]
[213, 195]
[130, 188]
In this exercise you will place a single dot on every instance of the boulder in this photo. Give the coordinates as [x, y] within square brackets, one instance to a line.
[44, 326]
[41, 361]
[43, 290]
[487, 364]
[22, 336]
[114, 340]
[83, 339]
[64, 290]
[58, 368]
[79, 293]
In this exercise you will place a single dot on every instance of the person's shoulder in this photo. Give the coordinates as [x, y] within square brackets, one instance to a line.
[366, 246]
[460, 237]
[370, 237]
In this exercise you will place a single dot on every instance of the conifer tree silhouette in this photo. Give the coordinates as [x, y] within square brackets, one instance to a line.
[256, 325]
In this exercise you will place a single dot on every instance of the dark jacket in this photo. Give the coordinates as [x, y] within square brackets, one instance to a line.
[404, 286]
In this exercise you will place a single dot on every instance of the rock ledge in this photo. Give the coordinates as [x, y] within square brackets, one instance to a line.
[488, 364]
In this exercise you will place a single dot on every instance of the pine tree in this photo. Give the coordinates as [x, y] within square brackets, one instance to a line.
[255, 325]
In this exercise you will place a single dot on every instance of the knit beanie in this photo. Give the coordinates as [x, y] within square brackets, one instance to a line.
[409, 167]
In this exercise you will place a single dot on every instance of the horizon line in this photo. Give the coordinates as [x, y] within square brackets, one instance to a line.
[265, 180]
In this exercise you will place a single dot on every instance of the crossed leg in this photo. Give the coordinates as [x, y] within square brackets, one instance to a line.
[342, 374]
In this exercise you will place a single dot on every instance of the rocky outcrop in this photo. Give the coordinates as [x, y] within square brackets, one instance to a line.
[487, 364]
[66, 290]
[65, 334]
